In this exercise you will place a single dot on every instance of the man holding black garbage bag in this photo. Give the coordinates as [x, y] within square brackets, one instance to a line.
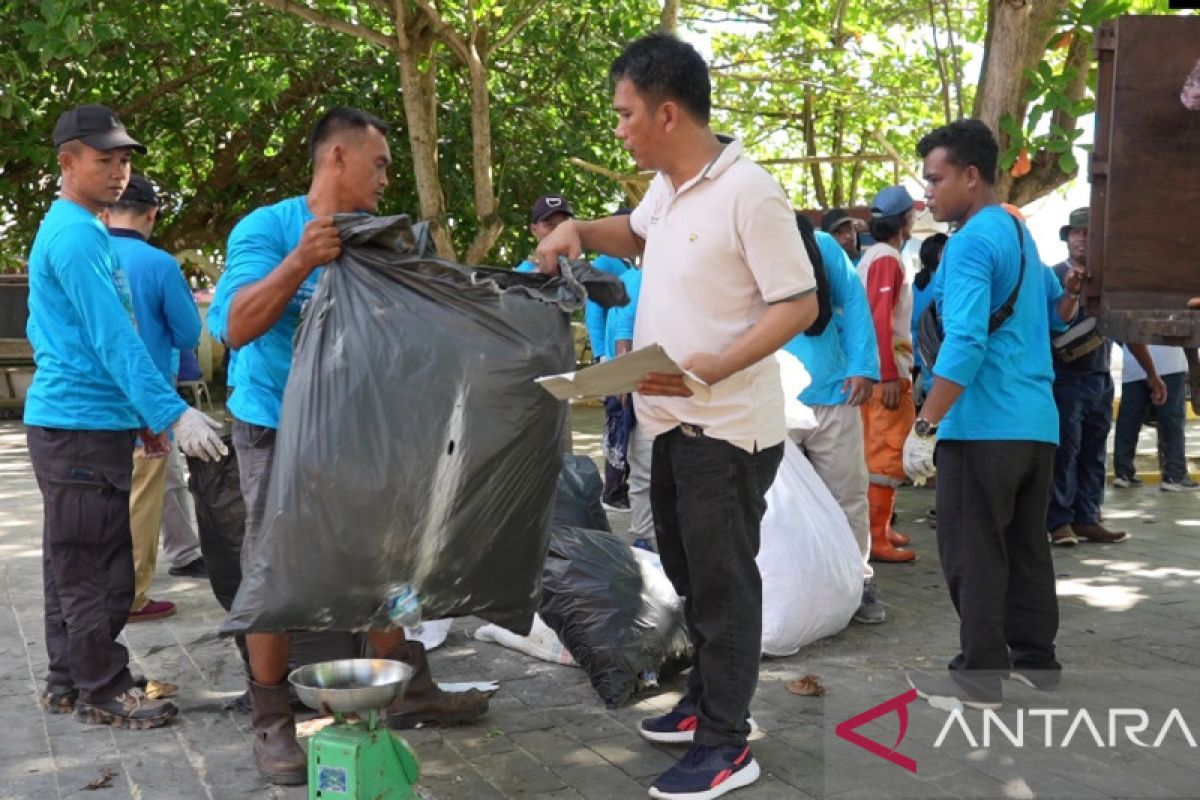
[273, 262]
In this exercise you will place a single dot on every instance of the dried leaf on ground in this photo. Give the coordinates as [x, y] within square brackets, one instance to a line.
[808, 686]
[103, 782]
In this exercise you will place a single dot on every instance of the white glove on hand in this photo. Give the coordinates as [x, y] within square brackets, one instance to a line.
[196, 433]
[918, 457]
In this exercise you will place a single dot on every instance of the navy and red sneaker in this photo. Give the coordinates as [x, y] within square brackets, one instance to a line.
[677, 726]
[707, 772]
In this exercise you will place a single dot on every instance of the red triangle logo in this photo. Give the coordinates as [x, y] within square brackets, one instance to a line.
[899, 704]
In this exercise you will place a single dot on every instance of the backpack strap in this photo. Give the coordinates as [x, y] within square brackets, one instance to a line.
[1005, 311]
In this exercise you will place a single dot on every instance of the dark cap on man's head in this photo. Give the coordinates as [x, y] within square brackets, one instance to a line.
[834, 219]
[140, 190]
[549, 204]
[1079, 218]
[96, 126]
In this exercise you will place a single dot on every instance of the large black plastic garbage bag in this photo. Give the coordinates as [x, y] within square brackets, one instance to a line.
[413, 446]
[615, 610]
[577, 499]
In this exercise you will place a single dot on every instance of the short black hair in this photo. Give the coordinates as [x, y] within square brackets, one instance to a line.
[338, 119]
[135, 207]
[664, 67]
[931, 256]
[884, 228]
[968, 143]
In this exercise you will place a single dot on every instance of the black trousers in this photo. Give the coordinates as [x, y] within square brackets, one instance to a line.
[991, 509]
[708, 498]
[87, 556]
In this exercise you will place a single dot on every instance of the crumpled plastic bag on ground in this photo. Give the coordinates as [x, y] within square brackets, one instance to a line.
[541, 643]
[615, 610]
[414, 446]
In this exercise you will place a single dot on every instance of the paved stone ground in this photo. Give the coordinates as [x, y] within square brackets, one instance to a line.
[1129, 637]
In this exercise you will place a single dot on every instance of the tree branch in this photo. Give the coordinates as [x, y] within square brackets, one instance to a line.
[517, 26]
[445, 33]
[330, 23]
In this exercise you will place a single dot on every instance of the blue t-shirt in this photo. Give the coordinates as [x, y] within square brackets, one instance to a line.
[166, 313]
[846, 348]
[595, 316]
[93, 372]
[619, 323]
[1007, 376]
[256, 246]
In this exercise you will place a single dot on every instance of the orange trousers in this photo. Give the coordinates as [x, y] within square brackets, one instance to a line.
[884, 432]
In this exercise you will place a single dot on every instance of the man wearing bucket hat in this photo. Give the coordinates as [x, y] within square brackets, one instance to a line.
[95, 388]
[1083, 393]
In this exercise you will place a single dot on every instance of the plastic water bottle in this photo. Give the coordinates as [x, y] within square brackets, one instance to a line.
[403, 606]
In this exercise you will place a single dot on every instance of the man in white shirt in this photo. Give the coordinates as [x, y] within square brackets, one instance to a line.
[726, 283]
[1137, 395]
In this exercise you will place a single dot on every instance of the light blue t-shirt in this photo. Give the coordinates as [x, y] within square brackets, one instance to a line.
[595, 316]
[846, 348]
[1007, 376]
[166, 313]
[256, 246]
[619, 323]
[93, 371]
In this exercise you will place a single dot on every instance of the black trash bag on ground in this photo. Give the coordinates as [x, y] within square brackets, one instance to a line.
[577, 502]
[615, 611]
[413, 446]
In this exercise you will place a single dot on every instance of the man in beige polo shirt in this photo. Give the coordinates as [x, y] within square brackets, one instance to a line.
[726, 283]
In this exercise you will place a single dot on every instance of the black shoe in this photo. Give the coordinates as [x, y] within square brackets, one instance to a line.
[192, 569]
[130, 709]
[59, 699]
[870, 610]
[946, 694]
[238, 705]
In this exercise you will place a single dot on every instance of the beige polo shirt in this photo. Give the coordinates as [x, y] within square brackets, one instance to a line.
[719, 250]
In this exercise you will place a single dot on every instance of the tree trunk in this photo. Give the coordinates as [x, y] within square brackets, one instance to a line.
[486, 211]
[1015, 42]
[668, 20]
[1045, 175]
[419, 94]
[810, 144]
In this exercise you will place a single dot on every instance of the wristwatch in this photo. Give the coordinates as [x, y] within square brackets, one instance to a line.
[924, 428]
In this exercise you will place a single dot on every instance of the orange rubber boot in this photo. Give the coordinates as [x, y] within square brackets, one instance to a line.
[882, 500]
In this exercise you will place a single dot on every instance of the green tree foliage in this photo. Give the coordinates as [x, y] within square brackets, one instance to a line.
[224, 95]
[854, 81]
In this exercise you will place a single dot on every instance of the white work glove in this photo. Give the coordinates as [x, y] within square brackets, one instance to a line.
[196, 433]
[918, 457]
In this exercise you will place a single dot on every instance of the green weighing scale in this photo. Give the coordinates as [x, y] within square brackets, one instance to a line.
[359, 759]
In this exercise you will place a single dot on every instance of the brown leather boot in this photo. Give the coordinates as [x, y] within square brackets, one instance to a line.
[882, 500]
[1095, 532]
[424, 701]
[277, 754]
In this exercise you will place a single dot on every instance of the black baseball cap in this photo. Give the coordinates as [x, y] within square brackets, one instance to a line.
[96, 126]
[549, 204]
[834, 219]
[140, 190]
